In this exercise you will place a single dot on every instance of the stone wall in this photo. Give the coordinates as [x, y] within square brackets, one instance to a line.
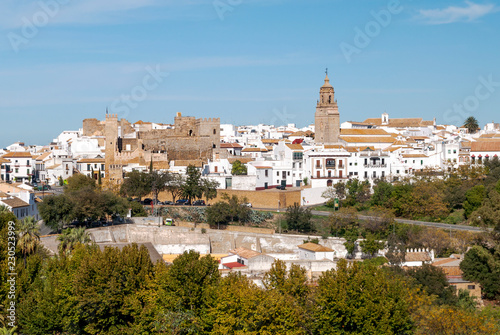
[178, 239]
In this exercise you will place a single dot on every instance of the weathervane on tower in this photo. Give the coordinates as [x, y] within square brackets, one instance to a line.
[326, 71]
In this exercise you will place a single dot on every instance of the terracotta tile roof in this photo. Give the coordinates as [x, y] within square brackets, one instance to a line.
[4, 195]
[263, 167]
[243, 160]
[254, 150]
[333, 146]
[295, 146]
[360, 132]
[466, 144]
[245, 253]
[315, 247]
[16, 154]
[270, 140]
[484, 145]
[414, 156]
[298, 133]
[401, 122]
[3, 160]
[15, 203]
[231, 145]
[92, 160]
[43, 156]
[417, 257]
[53, 167]
[368, 139]
[233, 265]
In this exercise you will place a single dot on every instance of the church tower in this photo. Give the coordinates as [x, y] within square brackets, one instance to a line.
[326, 119]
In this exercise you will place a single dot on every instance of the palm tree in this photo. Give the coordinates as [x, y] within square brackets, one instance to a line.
[28, 236]
[5, 331]
[70, 237]
[4, 209]
[471, 124]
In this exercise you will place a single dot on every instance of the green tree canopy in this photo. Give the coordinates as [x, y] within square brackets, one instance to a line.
[238, 168]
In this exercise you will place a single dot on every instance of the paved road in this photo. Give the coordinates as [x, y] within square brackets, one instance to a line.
[419, 223]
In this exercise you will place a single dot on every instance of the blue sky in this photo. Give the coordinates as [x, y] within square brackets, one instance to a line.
[245, 61]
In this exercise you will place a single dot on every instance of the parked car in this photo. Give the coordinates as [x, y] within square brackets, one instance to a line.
[182, 202]
[169, 222]
[147, 201]
[168, 203]
[281, 187]
[248, 204]
[43, 187]
[199, 203]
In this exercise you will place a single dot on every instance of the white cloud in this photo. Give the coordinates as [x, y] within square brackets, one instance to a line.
[14, 13]
[470, 12]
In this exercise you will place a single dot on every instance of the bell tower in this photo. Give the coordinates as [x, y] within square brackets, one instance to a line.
[326, 119]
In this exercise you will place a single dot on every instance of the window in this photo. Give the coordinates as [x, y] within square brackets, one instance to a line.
[300, 165]
[277, 173]
[266, 173]
[297, 155]
[374, 174]
[422, 162]
[215, 131]
[330, 163]
[329, 173]
[406, 161]
[449, 151]
[350, 173]
[350, 164]
[383, 161]
[454, 151]
[366, 174]
[471, 287]
[366, 161]
[28, 171]
[383, 174]
[102, 167]
[288, 172]
[88, 167]
[293, 165]
[17, 170]
[355, 173]
[318, 163]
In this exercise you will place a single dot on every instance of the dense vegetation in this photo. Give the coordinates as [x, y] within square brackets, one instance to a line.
[85, 290]
[469, 193]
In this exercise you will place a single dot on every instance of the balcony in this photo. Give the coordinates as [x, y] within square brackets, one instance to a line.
[331, 166]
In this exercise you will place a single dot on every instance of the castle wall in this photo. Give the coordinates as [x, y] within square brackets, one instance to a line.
[93, 127]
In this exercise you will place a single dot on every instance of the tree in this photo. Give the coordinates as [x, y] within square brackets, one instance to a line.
[481, 265]
[355, 299]
[238, 168]
[473, 199]
[357, 192]
[381, 193]
[78, 182]
[136, 184]
[99, 180]
[174, 186]
[217, 214]
[371, 246]
[471, 124]
[289, 283]
[159, 182]
[298, 218]
[187, 281]
[137, 209]
[69, 238]
[351, 236]
[433, 280]
[209, 187]
[192, 188]
[29, 238]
